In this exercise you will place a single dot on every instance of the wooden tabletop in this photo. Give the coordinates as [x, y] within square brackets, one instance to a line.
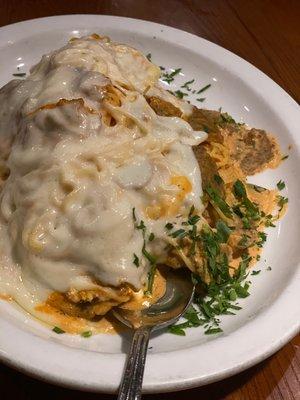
[265, 33]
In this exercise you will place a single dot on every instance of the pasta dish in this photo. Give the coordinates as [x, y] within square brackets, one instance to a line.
[107, 179]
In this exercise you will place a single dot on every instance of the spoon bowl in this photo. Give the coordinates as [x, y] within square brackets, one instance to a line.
[166, 311]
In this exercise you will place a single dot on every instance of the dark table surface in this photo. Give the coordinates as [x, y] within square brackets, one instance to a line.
[265, 33]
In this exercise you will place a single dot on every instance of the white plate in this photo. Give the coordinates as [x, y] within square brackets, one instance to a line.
[270, 316]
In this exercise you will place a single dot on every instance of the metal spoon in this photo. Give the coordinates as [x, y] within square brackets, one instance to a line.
[169, 308]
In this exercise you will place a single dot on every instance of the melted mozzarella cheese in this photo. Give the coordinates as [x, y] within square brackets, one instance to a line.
[67, 206]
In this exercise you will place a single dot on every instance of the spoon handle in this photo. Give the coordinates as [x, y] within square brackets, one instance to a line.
[131, 385]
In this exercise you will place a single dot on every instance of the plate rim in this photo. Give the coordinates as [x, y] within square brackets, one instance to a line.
[278, 93]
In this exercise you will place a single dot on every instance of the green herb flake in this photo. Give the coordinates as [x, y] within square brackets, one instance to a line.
[219, 202]
[285, 157]
[133, 215]
[169, 226]
[201, 99]
[282, 201]
[58, 330]
[169, 77]
[141, 225]
[255, 272]
[218, 179]
[136, 260]
[239, 189]
[149, 56]
[186, 84]
[226, 118]
[213, 331]
[86, 334]
[223, 231]
[204, 88]
[151, 275]
[280, 185]
[194, 219]
[150, 257]
[180, 233]
[178, 329]
[269, 269]
[180, 94]
[151, 237]
[19, 74]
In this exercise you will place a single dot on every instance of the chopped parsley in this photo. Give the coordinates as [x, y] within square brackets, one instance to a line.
[136, 260]
[223, 231]
[180, 94]
[213, 331]
[280, 185]
[255, 272]
[58, 330]
[204, 88]
[149, 56]
[218, 179]
[151, 275]
[180, 233]
[169, 77]
[178, 329]
[169, 226]
[218, 201]
[133, 215]
[282, 201]
[150, 257]
[186, 85]
[226, 118]
[151, 237]
[285, 157]
[20, 74]
[86, 334]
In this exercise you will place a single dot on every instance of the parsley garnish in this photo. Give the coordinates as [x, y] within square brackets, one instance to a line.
[255, 272]
[218, 179]
[169, 226]
[136, 260]
[263, 237]
[239, 189]
[280, 185]
[213, 331]
[149, 56]
[179, 94]
[180, 233]
[133, 214]
[204, 88]
[58, 330]
[20, 74]
[226, 118]
[201, 99]
[151, 237]
[169, 77]
[151, 275]
[285, 157]
[86, 334]
[218, 201]
[282, 201]
[150, 257]
[178, 329]
[186, 85]
[223, 231]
